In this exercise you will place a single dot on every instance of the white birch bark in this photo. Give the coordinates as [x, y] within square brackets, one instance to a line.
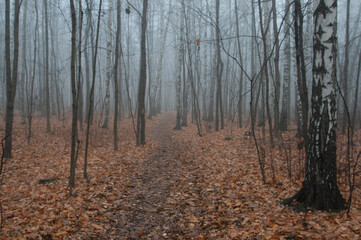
[109, 66]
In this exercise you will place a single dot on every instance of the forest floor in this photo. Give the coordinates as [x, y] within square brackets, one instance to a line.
[177, 186]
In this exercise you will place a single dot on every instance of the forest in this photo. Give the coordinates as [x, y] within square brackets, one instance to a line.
[180, 119]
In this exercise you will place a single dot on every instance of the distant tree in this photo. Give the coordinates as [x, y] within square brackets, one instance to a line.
[240, 100]
[179, 74]
[285, 112]
[277, 75]
[116, 80]
[47, 87]
[140, 132]
[23, 64]
[186, 82]
[91, 95]
[319, 189]
[74, 126]
[345, 73]
[109, 65]
[30, 89]
[219, 72]
[11, 73]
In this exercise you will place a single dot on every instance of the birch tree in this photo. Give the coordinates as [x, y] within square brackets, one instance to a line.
[319, 188]
[109, 65]
[285, 112]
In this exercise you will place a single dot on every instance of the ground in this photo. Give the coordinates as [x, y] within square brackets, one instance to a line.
[177, 186]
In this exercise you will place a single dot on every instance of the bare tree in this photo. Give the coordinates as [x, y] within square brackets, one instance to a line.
[11, 74]
[74, 126]
[47, 88]
[30, 95]
[345, 73]
[91, 95]
[116, 80]
[179, 74]
[285, 112]
[140, 133]
[301, 69]
[24, 66]
[219, 70]
[109, 65]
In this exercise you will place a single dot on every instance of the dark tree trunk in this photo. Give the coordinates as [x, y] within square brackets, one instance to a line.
[47, 88]
[142, 80]
[11, 74]
[91, 96]
[74, 127]
[301, 69]
[116, 88]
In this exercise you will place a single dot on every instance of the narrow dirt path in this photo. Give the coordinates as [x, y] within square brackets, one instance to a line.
[150, 208]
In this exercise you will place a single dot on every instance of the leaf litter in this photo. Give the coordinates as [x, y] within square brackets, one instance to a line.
[177, 186]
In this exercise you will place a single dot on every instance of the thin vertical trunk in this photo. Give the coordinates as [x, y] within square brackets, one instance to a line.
[80, 82]
[277, 82]
[11, 74]
[345, 69]
[179, 75]
[219, 107]
[264, 31]
[142, 80]
[74, 127]
[47, 88]
[116, 88]
[91, 95]
[285, 112]
[109, 65]
[301, 69]
[186, 78]
[240, 110]
[31, 97]
[354, 111]
[24, 67]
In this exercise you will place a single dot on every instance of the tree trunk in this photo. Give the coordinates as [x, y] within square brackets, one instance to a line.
[179, 75]
[91, 95]
[345, 69]
[277, 82]
[219, 107]
[354, 111]
[186, 79]
[142, 80]
[24, 66]
[47, 88]
[116, 88]
[264, 30]
[80, 83]
[301, 69]
[74, 127]
[11, 74]
[109, 65]
[30, 97]
[285, 112]
[319, 189]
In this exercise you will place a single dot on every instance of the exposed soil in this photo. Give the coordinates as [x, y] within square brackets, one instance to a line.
[151, 207]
